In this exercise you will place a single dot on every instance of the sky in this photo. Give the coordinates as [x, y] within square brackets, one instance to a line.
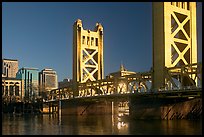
[40, 34]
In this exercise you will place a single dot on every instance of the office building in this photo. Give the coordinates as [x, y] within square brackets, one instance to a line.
[12, 89]
[48, 80]
[30, 80]
[9, 68]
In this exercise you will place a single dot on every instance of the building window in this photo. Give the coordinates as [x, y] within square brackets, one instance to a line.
[183, 5]
[179, 4]
[188, 6]
[11, 90]
[6, 91]
[17, 90]
[7, 72]
[78, 27]
[96, 41]
[83, 39]
[101, 32]
[87, 40]
[92, 40]
[4, 71]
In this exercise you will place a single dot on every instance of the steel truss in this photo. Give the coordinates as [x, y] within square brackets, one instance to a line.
[176, 78]
[187, 76]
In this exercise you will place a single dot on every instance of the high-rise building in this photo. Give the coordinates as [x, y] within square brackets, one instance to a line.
[9, 68]
[30, 80]
[47, 80]
[11, 86]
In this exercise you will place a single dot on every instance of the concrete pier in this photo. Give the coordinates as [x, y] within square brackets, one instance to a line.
[76, 107]
[138, 108]
[160, 108]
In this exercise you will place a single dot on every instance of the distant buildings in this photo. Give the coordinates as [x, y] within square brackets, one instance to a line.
[30, 79]
[9, 68]
[65, 83]
[25, 83]
[122, 72]
[48, 80]
[121, 86]
[12, 89]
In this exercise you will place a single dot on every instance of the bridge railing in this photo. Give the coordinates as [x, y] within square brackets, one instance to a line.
[120, 85]
[184, 77]
[135, 83]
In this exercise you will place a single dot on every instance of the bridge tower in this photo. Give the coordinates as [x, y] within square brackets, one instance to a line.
[174, 37]
[87, 53]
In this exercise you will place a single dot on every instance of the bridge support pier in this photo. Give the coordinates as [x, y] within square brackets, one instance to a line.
[163, 108]
[136, 107]
[91, 107]
[85, 107]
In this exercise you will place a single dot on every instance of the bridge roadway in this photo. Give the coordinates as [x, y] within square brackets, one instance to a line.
[179, 93]
[180, 82]
[168, 104]
[180, 97]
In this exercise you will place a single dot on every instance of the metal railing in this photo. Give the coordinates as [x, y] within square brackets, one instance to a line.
[139, 83]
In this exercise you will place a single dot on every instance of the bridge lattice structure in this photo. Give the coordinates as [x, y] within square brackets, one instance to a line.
[179, 80]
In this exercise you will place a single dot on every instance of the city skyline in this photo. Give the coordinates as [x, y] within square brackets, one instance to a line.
[40, 34]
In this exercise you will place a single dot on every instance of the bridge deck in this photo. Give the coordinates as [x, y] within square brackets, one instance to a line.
[182, 93]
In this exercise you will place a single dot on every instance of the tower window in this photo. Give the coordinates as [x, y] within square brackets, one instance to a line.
[96, 41]
[78, 27]
[83, 40]
[179, 4]
[188, 6]
[183, 5]
[92, 40]
[87, 40]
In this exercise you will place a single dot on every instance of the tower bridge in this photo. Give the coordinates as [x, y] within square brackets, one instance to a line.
[100, 94]
[177, 79]
[174, 81]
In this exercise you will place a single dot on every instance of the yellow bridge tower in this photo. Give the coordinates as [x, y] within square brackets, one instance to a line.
[174, 37]
[87, 53]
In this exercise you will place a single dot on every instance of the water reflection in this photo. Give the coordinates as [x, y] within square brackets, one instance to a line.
[95, 125]
[166, 127]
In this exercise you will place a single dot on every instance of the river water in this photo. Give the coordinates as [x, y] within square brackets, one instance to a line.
[44, 124]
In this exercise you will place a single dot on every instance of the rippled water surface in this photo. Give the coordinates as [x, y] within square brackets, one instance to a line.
[95, 125]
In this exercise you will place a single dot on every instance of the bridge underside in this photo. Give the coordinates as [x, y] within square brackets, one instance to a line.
[133, 94]
[137, 107]
[166, 108]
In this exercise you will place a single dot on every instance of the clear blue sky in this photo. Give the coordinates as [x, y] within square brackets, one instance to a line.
[40, 34]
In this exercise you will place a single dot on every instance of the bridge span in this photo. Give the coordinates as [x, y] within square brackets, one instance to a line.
[171, 89]
[132, 93]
